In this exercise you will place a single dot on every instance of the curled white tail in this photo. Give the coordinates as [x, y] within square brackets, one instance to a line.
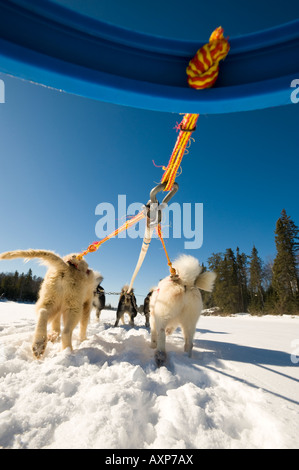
[206, 280]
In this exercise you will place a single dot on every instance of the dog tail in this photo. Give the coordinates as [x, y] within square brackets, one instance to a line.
[187, 268]
[98, 278]
[206, 280]
[49, 258]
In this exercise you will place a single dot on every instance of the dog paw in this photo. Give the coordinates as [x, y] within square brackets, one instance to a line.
[38, 347]
[188, 349]
[53, 336]
[160, 358]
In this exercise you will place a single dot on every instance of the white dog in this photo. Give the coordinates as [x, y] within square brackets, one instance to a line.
[67, 290]
[177, 302]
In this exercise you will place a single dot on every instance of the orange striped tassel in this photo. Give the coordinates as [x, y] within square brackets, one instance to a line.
[203, 69]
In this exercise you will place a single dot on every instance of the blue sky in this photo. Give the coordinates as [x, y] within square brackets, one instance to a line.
[62, 155]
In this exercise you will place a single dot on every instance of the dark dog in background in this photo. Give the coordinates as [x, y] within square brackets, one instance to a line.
[99, 300]
[127, 304]
[146, 308]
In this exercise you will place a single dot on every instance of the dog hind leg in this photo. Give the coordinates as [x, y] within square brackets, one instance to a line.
[160, 356]
[120, 314]
[131, 322]
[188, 332]
[188, 347]
[153, 332]
[55, 333]
[98, 313]
[40, 336]
[84, 320]
[71, 318]
[117, 319]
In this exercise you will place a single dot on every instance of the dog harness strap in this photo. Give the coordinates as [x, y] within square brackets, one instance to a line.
[172, 270]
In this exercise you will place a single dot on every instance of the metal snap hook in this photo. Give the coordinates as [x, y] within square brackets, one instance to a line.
[154, 208]
[160, 187]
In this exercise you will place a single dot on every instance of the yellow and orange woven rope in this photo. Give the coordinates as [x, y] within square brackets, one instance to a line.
[96, 245]
[202, 73]
[159, 232]
[187, 126]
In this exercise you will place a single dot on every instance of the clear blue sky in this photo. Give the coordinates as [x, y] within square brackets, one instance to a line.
[62, 155]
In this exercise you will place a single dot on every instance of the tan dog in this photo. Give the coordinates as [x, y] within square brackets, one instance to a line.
[67, 290]
[177, 302]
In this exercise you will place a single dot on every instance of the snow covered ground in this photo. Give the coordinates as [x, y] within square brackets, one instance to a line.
[239, 390]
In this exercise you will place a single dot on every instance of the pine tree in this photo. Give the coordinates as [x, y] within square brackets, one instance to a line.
[233, 297]
[216, 263]
[285, 275]
[241, 263]
[28, 287]
[256, 292]
[226, 292]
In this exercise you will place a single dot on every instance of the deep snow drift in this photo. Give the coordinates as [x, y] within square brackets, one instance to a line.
[239, 390]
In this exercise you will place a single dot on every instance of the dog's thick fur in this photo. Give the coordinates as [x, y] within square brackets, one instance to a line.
[177, 302]
[146, 307]
[67, 290]
[127, 304]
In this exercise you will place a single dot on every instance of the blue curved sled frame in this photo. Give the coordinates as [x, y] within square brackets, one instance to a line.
[51, 45]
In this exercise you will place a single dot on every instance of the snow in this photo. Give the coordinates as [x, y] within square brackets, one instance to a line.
[239, 390]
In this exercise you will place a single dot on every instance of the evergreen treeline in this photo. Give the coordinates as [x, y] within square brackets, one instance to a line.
[19, 287]
[246, 284]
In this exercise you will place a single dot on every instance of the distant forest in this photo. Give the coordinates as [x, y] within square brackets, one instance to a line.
[19, 287]
[244, 282]
[247, 284]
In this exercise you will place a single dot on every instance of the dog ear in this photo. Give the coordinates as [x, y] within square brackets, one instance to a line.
[98, 277]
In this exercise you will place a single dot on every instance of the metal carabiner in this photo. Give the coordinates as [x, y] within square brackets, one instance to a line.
[154, 208]
[160, 187]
